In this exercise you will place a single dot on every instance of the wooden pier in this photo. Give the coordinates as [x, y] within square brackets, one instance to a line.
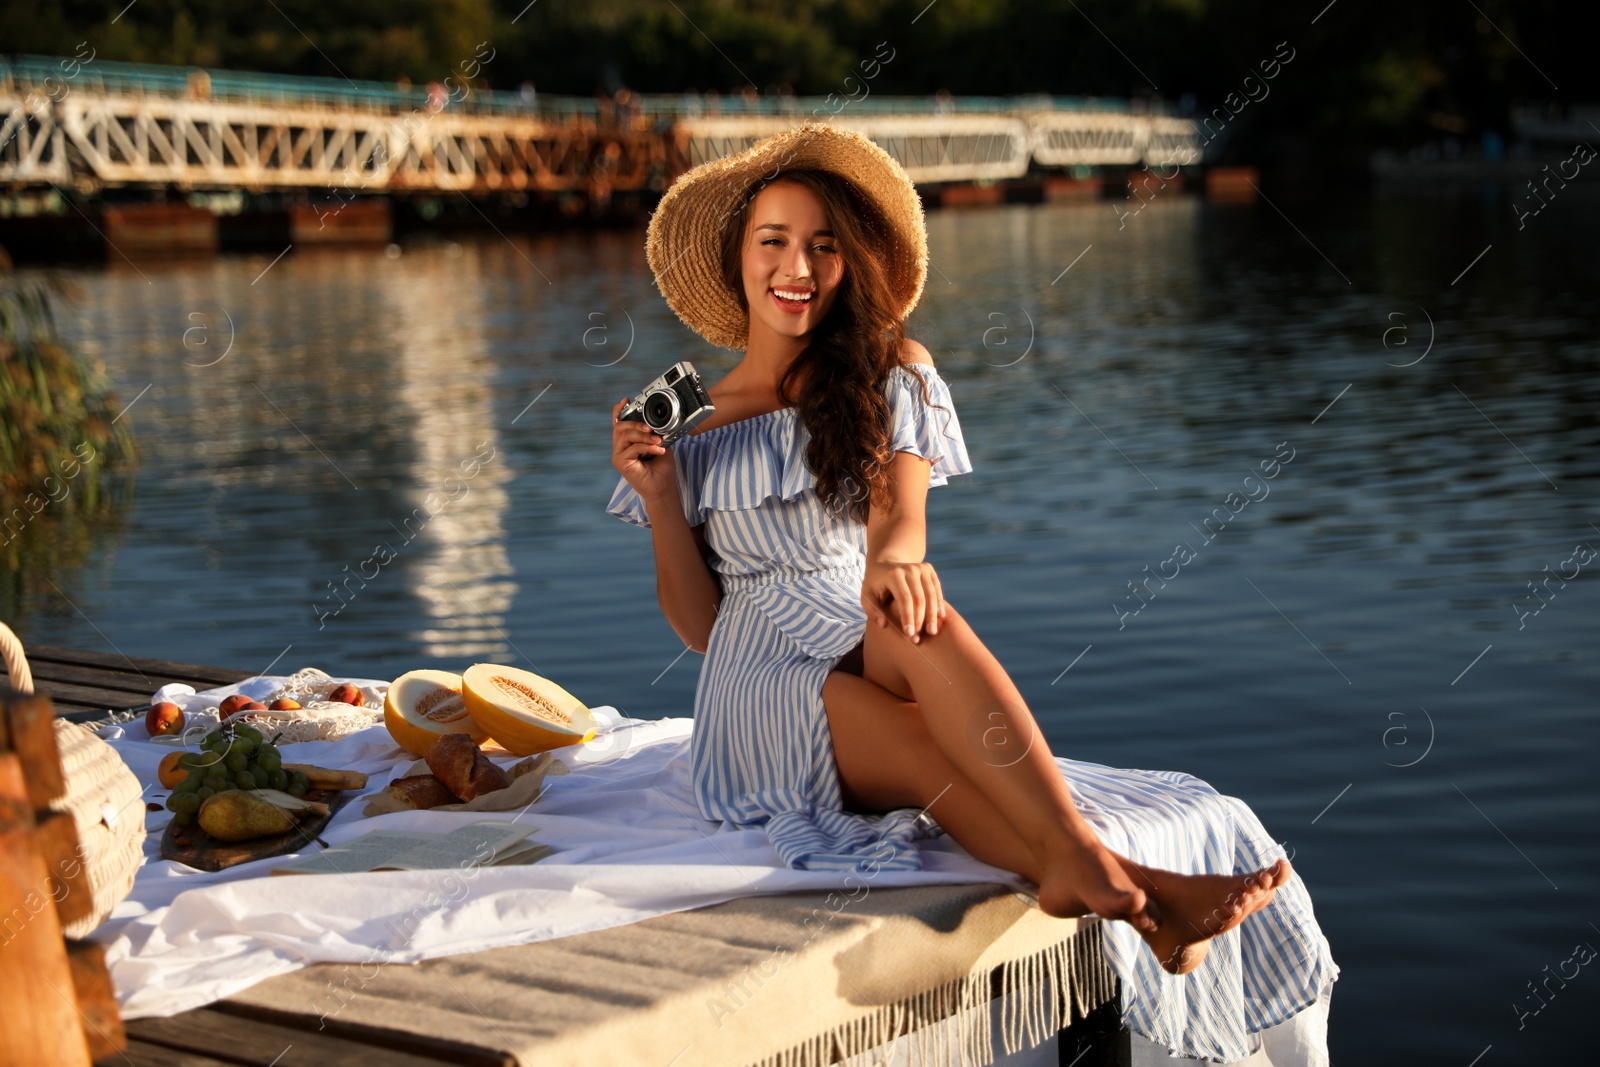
[619, 996]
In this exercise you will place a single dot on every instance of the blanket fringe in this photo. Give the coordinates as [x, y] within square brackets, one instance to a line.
[1033, 991]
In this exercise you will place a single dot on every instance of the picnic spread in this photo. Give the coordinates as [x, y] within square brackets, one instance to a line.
[605, 824]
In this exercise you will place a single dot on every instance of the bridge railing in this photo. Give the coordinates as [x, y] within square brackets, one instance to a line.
[108, 123]
[48, 76]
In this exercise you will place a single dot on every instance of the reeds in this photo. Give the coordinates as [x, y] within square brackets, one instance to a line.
[66, 459]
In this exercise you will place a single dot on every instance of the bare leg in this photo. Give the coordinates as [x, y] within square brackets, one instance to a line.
[888, 760]
[973, 714]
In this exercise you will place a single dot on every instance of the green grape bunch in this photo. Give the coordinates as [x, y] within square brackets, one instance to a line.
[231, 757]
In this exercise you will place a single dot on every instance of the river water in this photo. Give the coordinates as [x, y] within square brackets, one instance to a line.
[1351, 644]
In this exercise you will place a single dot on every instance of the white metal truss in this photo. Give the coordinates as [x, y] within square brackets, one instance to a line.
[932, 148]
[108, 140]
[118, 140]
[126, 140]
[1096, 138]
[952, 148]
[32, 143]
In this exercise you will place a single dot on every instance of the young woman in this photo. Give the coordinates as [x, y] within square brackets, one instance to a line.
[844, 704]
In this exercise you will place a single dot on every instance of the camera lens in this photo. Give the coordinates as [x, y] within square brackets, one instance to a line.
[660, 409]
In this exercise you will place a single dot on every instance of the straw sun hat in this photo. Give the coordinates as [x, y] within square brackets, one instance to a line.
[684, 241]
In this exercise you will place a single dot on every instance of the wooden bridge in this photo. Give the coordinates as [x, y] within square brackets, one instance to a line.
[89, 124]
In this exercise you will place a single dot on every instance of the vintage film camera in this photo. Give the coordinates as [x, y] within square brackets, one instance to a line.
[670, 405]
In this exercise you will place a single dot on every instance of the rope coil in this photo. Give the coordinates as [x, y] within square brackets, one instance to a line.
[16, 660]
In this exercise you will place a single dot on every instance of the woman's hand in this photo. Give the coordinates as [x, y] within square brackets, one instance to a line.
[653, 479]
[907, 593]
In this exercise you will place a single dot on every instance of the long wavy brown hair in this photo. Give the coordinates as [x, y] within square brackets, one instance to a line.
[837, 383]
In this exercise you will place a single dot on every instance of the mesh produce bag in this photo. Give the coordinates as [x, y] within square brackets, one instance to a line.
[317, 718]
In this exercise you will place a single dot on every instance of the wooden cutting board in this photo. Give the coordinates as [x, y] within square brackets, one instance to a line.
[205, 853]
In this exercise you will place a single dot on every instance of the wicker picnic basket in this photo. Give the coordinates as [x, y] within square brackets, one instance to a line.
[102, 797]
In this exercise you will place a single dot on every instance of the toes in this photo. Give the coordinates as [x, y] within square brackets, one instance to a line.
[1264, 881]
[1270, 878]
[1148, 917]
[1127, 906]
[1134, 907]
[1225, 917]
[1274, 876]
[1138, 901]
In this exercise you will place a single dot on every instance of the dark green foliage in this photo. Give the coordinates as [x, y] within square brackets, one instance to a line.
[65, 456]
[1367, 72]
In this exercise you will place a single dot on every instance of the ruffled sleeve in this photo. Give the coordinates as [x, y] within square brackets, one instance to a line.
[687, 452]
[627, 505]
[927, 429]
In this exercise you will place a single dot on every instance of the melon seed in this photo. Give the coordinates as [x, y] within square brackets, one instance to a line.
[441, 705]
[533, 701]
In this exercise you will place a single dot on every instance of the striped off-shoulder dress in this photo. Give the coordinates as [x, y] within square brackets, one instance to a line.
[761, 754]
[790, 571]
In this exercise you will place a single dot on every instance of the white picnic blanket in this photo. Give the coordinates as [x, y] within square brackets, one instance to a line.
[629, 844]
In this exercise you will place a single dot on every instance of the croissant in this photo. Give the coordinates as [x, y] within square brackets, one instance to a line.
[460, 764]
[422, 791]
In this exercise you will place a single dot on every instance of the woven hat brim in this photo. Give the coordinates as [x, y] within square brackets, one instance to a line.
[683, 242]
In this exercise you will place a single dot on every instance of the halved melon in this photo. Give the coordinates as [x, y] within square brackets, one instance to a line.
[423, 706]
[522, 711]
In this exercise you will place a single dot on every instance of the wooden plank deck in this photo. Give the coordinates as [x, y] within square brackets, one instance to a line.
[87, 686]
[207, 1032]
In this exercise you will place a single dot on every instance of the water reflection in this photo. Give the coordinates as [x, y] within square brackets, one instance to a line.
[324, 436]
[457, 475]
[1109, 408]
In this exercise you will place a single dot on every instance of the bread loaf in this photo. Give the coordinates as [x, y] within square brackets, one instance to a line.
[421, 791]
[460, 764]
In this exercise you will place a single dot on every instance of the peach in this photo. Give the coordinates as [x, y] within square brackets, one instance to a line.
[164, 718]
[242, 710]
[169, 772]
[348, 694]
[284, 704]
[232, 704]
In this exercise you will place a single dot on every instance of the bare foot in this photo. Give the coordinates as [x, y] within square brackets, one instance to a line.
[1092, 878]
[1193, 908]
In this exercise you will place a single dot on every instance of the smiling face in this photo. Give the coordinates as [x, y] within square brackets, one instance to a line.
[789, 251]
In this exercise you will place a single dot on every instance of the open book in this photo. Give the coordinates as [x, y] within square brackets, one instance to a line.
[489, 843]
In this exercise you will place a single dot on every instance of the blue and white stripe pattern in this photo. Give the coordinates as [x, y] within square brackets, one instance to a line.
[761, 753]
[791, 573]
[1266, 970]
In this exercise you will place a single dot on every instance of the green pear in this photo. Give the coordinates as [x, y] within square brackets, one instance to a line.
[238, 815]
